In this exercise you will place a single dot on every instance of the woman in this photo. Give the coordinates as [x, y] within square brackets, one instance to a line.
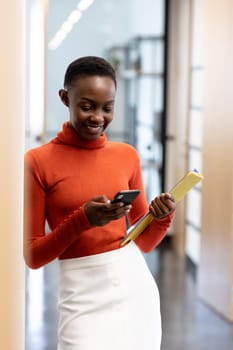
[107, 297]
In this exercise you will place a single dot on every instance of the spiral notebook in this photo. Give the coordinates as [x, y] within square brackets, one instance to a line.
[178, 192]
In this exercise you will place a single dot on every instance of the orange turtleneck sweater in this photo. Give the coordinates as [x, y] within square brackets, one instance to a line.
[60, 177]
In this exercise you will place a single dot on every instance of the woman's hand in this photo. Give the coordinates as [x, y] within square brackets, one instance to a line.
[162, 205]
[100, 211]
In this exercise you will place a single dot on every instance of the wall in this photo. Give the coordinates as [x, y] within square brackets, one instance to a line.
[215, 277]
[12, 68]
[89, 36]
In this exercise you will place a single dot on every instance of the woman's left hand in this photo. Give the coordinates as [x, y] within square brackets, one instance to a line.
[162, 205]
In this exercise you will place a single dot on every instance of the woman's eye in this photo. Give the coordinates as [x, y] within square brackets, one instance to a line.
[86, 108]
[108, 109]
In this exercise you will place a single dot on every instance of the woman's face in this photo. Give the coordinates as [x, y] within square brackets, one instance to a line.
[91, 104]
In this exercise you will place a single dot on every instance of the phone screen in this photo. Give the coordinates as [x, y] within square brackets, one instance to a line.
[126, 196]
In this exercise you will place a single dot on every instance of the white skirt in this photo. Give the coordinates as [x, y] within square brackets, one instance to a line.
[108, 301]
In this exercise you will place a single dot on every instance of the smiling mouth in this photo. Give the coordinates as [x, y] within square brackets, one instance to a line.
[95, 128]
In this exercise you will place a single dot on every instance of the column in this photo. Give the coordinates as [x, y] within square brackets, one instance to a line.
[12, 293]
[177, 108]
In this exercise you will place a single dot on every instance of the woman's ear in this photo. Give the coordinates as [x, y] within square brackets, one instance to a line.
[64, 97]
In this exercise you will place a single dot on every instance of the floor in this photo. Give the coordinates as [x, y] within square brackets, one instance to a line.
[188, 324]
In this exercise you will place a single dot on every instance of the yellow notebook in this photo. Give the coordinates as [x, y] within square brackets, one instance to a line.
[178, 192]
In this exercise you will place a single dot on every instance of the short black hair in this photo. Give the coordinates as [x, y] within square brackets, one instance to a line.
[88, 66]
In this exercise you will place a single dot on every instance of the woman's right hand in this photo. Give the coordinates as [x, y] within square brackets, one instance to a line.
[100, 211]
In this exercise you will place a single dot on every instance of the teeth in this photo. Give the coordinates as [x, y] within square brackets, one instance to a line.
[94, 126]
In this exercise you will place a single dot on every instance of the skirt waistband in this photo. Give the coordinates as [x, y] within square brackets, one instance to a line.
[96, 259]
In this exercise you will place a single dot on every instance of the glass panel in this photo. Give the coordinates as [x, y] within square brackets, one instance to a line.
[196, 128]
[197, 88]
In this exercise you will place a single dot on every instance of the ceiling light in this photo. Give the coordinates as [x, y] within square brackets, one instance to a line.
[84, 4]
[74, 16]
[67, 26]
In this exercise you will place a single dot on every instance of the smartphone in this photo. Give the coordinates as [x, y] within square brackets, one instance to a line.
[126, 196]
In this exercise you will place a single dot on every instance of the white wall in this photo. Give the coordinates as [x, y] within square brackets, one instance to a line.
[89, 36]
[145, 17]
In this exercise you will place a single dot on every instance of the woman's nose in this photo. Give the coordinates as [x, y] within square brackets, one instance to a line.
[98, 116]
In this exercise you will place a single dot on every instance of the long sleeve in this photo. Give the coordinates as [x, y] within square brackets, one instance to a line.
[151, 237]
[41, 248]
[157, 230]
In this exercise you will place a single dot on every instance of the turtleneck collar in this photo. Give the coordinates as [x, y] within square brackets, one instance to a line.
[68, 136]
